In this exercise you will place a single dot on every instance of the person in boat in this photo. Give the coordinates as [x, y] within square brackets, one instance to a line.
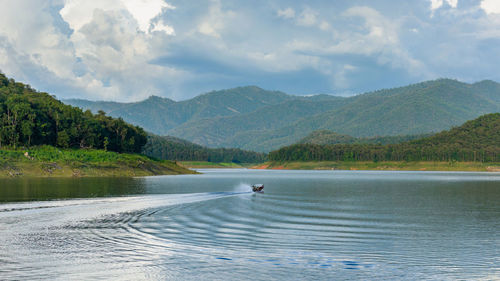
[257, 187]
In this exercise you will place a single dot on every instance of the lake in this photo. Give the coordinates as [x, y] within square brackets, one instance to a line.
[339, 225]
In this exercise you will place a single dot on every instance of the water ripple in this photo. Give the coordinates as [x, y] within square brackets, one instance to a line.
[330, 231]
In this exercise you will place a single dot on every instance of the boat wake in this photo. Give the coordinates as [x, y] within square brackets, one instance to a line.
[243, 187]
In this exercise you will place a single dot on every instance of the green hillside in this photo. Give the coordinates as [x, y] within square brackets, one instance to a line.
[49, 161]
[41, 136]
[476, 140]
[426, 107]
[416, 109]
[28, 117]
[159, 115]
[224, 131]
[172, 148]
[329, 137]
[254, 119]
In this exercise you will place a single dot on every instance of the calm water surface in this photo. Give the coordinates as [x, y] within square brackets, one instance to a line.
[307, 225]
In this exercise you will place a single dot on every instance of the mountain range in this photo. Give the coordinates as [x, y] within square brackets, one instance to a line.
[255, 119]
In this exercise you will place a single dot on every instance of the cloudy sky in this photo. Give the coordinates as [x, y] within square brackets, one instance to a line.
[127, 50]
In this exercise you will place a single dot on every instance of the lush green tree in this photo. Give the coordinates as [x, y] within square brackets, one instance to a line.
[476, 140]
[28, 117]
[171, 148]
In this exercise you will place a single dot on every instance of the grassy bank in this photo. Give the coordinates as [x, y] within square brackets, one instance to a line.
[204, 164]
[389, 166]
[48, 161]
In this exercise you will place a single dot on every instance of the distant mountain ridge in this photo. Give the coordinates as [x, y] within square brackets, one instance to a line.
[255, 119]
[159, 115]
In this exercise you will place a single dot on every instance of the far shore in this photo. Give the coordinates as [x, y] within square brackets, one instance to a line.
[383, 166]
[208, 165]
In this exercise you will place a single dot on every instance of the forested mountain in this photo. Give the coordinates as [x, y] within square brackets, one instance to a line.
[421, 108]
[426, 107]
[159, 115]
[224, 131]
[476, 140]
[172, 148]
[28, 117]
[253, 119]
[329, 137]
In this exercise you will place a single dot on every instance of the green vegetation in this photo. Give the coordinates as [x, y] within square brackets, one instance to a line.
[386, 166]
[329, 137]
[40, 136]
[171, 148]
[48, 161]
[28, 117]
[253, 119]
[475, 141]
[205, 164]
[159, 115]
[231, 131]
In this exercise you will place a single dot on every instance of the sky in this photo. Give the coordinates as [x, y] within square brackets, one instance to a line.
[127, 50]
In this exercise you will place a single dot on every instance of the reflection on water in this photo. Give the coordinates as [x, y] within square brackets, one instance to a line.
[307, 225]
[34, 189]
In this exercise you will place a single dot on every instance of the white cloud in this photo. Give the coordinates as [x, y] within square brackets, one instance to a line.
[436, 4]
[491, 6]
[378, 34]
[35, 37]
[129, 49]
[163, 28]
[215, 21]
[307, 17]
[324, 25]
[376, 37]
[209, 28]
[145, 10]
[79, 12]
[287, 13]
[107, 55]
[118, 53]
[452, 3]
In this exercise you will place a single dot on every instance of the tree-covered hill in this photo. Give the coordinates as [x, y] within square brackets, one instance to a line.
[476, 140]
[28, 118]
[172, 148]
[224, 131]
[479, 134]
[159, 115]
[329, 137]
[254, 119]
[427, 107]
[421, 108]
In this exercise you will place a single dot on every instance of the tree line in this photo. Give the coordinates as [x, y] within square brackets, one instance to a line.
[29, 117]
[171, 148]
[477, 140]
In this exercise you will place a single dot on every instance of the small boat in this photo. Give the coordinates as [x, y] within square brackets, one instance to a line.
[258, 188]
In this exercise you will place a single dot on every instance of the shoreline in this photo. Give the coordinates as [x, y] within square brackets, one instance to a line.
[383, 166]
[214, 165]
[85, 170]
[50, 162]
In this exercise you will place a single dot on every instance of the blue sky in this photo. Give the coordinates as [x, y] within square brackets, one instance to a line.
[127, 50]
